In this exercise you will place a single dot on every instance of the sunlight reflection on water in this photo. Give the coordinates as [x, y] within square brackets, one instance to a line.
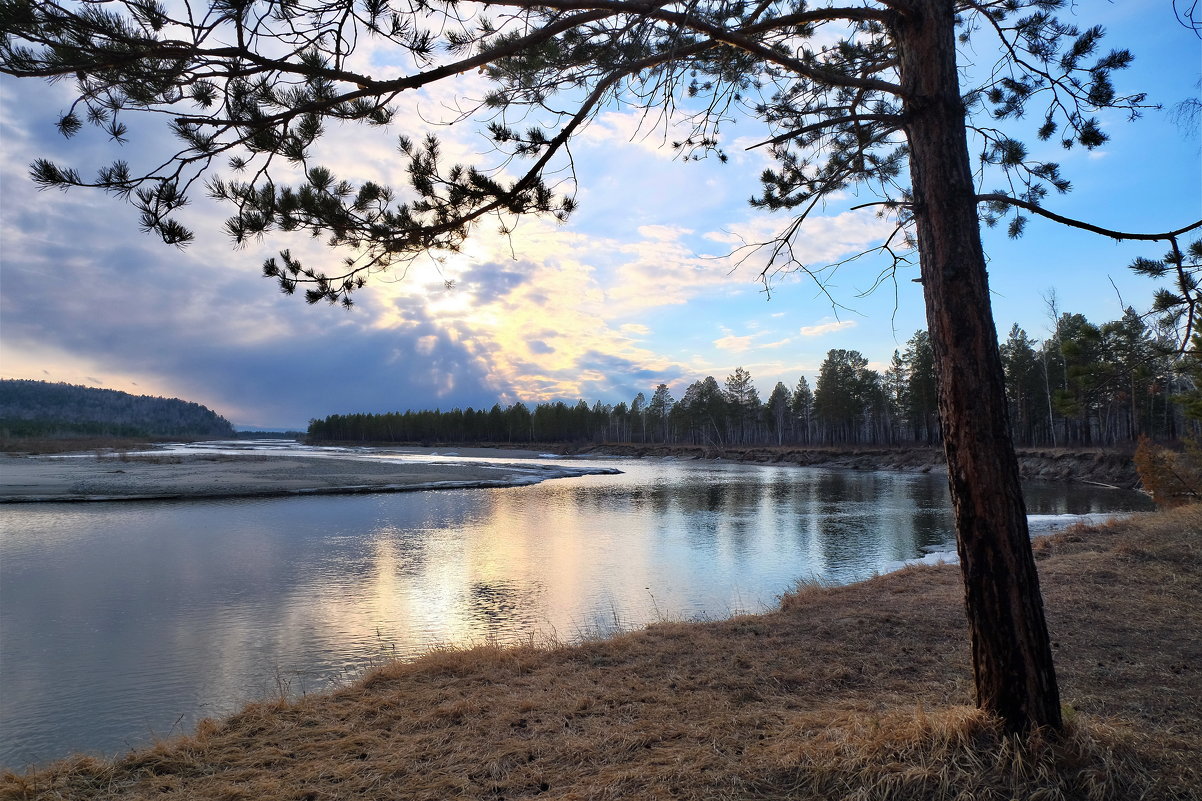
[123, 622]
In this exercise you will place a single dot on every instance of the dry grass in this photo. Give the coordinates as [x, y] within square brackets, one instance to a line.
[859, 692]
[47, 445]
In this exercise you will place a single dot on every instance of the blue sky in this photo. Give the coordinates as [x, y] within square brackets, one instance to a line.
[637, 289]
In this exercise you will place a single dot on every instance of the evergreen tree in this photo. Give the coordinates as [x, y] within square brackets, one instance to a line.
[1126, 375]
[876, 421]
[896, 385]
[702, 411]
[660, 410]
[922, 409]
[802, 407]
[519, 424]
[1025, 389]
[1074, 384]
[743, 406]
[638, 415]
[846, 396]
[777, 412]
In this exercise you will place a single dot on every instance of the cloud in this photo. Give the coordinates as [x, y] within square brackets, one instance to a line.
[826, 328]
[653, 273]
[820, 241]
[492, 281]
[652, 134]
[322, 361]
[662, 233]
[748, 342]
[731, 342]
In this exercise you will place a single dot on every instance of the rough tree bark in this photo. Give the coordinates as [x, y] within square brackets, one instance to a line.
[1012, 659]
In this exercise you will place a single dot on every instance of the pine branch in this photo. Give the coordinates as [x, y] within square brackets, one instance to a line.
[1097, 229]
[743, 39]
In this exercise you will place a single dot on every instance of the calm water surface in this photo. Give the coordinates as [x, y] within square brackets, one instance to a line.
[123, 622]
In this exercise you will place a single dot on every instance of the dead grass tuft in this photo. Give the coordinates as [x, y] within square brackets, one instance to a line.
[955, 753]
[803, 590]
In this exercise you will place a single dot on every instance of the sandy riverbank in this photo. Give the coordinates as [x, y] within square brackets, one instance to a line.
[26, 479]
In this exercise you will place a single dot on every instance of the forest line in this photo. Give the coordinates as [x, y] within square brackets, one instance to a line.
[1085, 385]
[31, 408]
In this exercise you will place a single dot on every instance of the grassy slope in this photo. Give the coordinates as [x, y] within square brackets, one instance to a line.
[80, 444]
[852, 692]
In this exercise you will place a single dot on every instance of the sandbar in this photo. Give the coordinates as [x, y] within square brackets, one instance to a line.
[155, 476]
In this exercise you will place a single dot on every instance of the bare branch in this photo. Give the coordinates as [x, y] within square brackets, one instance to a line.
[893, 119]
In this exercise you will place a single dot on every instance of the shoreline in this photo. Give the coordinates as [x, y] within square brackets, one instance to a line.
[858, 690]
[1111, 468]
[237, 472]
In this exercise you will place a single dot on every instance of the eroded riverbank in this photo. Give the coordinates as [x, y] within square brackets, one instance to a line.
[1107, 467]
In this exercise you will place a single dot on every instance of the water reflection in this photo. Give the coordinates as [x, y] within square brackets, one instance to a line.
[121, 622]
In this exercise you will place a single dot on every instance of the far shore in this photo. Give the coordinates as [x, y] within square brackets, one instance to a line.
[1106, 467]
[118, 474]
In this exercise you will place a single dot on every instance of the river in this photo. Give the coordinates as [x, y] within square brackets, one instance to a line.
[125, 622]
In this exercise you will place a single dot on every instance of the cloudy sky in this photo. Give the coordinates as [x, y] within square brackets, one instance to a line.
[637, 289]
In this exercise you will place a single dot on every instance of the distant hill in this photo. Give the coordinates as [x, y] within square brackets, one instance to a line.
[43, 409]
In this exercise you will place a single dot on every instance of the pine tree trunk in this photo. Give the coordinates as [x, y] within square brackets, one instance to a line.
[1012, 660]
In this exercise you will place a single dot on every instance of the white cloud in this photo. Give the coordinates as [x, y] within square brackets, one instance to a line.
[735, 343]
[662, 233]
[748, 342]
[821, 240]
[651, 132]
[826, 328]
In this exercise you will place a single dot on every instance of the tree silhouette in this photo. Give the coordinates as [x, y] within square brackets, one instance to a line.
[860, 95]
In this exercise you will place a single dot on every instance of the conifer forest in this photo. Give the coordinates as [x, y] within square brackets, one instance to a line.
[44, 409]
[1084, 385]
